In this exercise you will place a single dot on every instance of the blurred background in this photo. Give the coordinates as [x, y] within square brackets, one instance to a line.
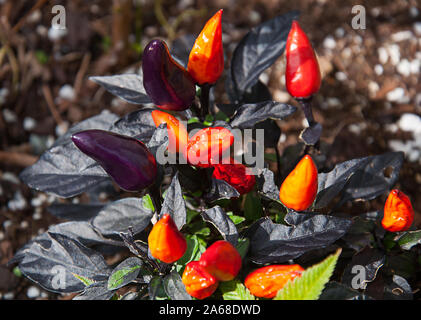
[369, 102]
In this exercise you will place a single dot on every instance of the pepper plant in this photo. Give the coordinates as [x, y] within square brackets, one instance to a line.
[206, 226]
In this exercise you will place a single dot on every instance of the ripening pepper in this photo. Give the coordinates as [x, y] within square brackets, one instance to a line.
[207, 147]
[206, 60]
[177, 132]
[127, 160]
[299, 188]
[302, 74]
[168, 84]
[198, 282]
[235, 174]
[265, 282]
[165, 241]
[221, 260]
[398, 212]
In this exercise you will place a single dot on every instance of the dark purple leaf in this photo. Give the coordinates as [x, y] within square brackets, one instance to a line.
[75, 211]
[266, 185]
[174, 203]
[126, 272]
[138, 124]
[96, 291]
[175, 288]
[220, 189]
[223, 223]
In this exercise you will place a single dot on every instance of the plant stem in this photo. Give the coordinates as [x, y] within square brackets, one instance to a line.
[155, 194]
[308, 112]
[204, 100]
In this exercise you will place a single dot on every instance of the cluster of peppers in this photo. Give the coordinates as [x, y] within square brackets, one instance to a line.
[171, 87]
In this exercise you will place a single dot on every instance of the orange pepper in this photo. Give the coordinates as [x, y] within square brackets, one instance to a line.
[265, 282]
[398, 212]
[221, 260]
[207, 146]
[302, 73]
[206, 60]
[165, 241]
[299, 188]
[199, 283]
[177, 132]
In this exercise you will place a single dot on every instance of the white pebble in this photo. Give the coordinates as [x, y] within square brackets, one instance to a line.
[413, 11]
[8, 176]
[55, 34]
[417, 28]
[329, 43]
[9, 296]
[42, 30]
[333, 102]
[66, 92]
[378, 69]
[4, 92]
[373, 87]
[18, 202]
[396, 95]
[38, 200]
[37, 215]
[339, 32]
[29, 123]
[346, 53]
[401, 36]
[415, 66]
[410, 122]
[254, 17]
[341, 76]
[9, 116]
[392, 127]
[404, 67]
[24, 224]
[7, 224]
[33, 292]
[62, 128]
[394, 53]
[383, 55]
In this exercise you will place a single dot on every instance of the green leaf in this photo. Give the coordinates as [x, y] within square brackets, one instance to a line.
[234, 218]
[243, 246]
[312, 281]
[147, 202]
[124, 273]
[235, 290]
[87, 282]
[409, 239]
[271, 157]
[193, 120]
[17, 272]
[194, 249]
[252, 207]
[208, 120]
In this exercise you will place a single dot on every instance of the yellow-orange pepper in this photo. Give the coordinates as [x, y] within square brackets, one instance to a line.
[177, 132]
[165, 241]
[299, 188]
[265, 282]
[206, 60]
[198, 282]
[398, 212]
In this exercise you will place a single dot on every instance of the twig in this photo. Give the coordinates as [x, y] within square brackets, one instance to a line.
[81, 73]
[22, 20]
[17, 158]
[50, 103]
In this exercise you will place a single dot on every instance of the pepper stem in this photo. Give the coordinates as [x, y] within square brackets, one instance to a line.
[308, 112]
[204, 100]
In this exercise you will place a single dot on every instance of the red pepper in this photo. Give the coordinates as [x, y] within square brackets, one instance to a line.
[165, 241]
[398, 212]
[221, 260]
[206, 60]
[234, 174]
[299, 188]
[177, 132]
[302, 73]
[208, 145]
[265, 282]
[199, 283]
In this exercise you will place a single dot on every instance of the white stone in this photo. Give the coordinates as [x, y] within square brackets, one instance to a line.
[392, 127]
[24, 224]
[37, 215]
[9, 176]
[333, 102]
[404, 67]
[415, 66]
[29, 123]
[402, 36]
[41, 30]
[383, 55]
[417, 28]
[8, 296]
[329, 43]
[55, 34]
[410, 122]
[62, 128]
[396, 95]
[413, 11]
[18, 202]
[7, 224]
[378, 69]
[33, 292]
[341, 76]
[394, 53]
[9, 116]
[4, 92]
[339, 32]
[66, 92]
[373, 87]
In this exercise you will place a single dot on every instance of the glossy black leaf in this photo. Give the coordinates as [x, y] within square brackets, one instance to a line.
[248, 115]
[363, 268]
[337, 291]
[126, 272]
[138, 124]
[64, 170]
[266, 185]
[120, 215]
[220, 189]
[362, 178]
[398, 289]
[223, 223]
[174, 203]
[181, 47]
[54, 262]
[273, 243]
[174, 287]
[96, 291]
[156, 289]
[75, 211]
[258, 50]
[408, 239]
[128, 87]
[311, 135]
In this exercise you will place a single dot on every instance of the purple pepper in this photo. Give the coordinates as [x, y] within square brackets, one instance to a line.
[127, 160]
[168, 84]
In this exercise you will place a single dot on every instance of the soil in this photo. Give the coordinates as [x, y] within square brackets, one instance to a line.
[45, 88]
